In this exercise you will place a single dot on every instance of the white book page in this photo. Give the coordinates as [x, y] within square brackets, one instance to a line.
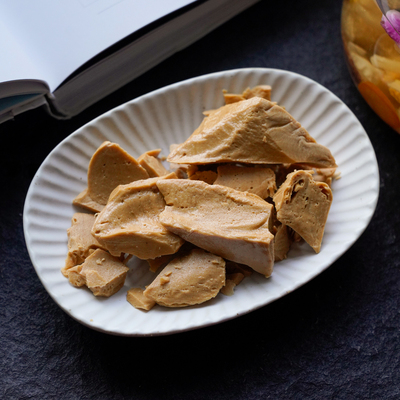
[14, 62]
[58, 36]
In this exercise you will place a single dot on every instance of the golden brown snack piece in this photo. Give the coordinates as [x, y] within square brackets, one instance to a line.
[102, 273]
[109, 167]
[156, 263]
[282, 242]
[235, 273]
[229, 288]
[236, 277]
[188, 280]
[152, 164]
[136, 297]
[263, 91]
[84, 200]
[221, 220]
[304, 204]
[81, 243]
[253, 131]
[232, 280]
[324, 175]
[201, 173]
[153, 153]
[257, 180]
[319, 174]
[129, 223]
[75, 277]
[179, 169]
[229, 99]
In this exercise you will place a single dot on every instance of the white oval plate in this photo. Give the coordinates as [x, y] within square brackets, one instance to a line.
[170, 115]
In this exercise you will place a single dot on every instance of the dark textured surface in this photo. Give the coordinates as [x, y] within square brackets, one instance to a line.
[336, 337]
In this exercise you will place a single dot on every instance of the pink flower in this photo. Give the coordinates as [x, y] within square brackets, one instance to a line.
[391, 24]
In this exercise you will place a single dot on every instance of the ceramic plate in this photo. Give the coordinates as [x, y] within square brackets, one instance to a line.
[170, 115]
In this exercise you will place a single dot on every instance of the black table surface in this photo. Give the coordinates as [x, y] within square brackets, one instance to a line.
[335, 337]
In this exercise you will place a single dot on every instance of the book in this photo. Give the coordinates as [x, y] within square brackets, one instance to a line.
[66, 55]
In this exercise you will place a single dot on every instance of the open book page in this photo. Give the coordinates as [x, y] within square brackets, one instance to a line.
[15, 63]
[142, 54]
[54, 38]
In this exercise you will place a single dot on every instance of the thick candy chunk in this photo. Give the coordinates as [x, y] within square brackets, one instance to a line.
[304, 204]
[254, 131]
[81, 243]
[138, 300]
[263, 91]
[221, 220]
[109, 167]
[152, 164]
[102, 273]
[254, 179]
[129, 223]
[191, 279]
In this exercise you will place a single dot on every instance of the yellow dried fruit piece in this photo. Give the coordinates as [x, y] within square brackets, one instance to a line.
[394, 89]
[379, 102]
[390, 76]
[367, 71]
[385, 63]
[354, 48]
[360, 22]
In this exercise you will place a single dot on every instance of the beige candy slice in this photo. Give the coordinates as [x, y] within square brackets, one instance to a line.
[282, 242]
[263, 91]
[229, 288]
[224, 221]
[152, 164]
[254, 131]
[229, 99]
[319, 174]
[200, 174]
[103, 273]
[257, 180]
[304, 204]
[179, 169]
[109, 167]
[137, 299]
[232, 280]
[75, 277]
[84, 200]
[188, 280]
[325, 175]
[80, 241]
[129, 223]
